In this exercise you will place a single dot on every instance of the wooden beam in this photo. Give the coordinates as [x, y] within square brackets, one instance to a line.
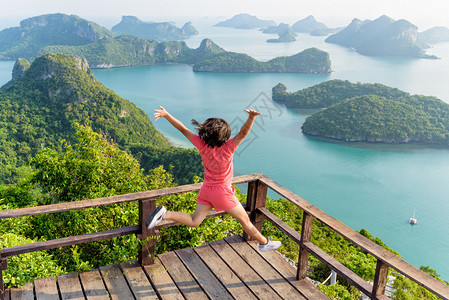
[76, 205]
[68, 241]
[338, 267]
[281, 225]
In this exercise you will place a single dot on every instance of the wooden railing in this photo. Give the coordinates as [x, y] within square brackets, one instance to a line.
[258, 185]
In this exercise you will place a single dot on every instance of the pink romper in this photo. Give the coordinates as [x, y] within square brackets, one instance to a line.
[217, 190]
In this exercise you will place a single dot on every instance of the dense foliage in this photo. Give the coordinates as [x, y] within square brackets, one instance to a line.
[378, 119]
[381, 37]
[51, 29]
[40, 107]
[90, 167]
[308, 61]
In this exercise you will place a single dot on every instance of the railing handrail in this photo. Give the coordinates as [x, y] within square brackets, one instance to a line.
[83, 204]
[257, 190]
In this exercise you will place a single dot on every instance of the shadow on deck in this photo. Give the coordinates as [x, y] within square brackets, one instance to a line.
[226, 269]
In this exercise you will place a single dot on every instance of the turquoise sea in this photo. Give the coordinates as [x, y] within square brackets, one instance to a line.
[371, 186]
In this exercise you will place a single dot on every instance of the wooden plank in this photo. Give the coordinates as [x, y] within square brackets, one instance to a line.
[93, 285]
[73, 240]
[115, 283]
[265, 270]
[162, 282]
[70, 287]
[305, 286]
[244, 271]
[182, 277]
[76, 205]
[205, 278]
[138, 281]
[25, 292]
[303, 257]
[224, 274]
[46, 288]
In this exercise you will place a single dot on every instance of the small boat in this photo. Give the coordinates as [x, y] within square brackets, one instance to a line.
[413, 220]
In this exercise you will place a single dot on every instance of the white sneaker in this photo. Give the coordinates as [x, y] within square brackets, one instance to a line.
[271, 245]
[156, 216]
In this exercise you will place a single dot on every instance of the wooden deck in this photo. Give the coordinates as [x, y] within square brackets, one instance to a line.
[224, 269]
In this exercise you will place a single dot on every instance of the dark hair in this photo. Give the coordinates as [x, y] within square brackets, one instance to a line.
[214, 131]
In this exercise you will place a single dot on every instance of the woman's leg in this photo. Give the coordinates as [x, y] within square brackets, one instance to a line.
[194, 220]
[240, 214]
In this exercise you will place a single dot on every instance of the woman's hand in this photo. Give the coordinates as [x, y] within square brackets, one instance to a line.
[253, 112]
[160, 113]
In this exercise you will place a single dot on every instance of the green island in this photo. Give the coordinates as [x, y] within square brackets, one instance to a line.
[357, 112]
[82, 141]
[310, 61]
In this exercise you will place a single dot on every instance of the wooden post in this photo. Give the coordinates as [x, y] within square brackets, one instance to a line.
[306, 234]
[3, 266]
[380, 280]
[256, 198]
[146, 254]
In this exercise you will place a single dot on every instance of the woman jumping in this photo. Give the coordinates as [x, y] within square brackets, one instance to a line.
[216, 192]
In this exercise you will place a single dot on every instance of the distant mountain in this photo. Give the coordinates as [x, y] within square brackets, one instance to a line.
[163, 31]
[245, 21]
[381, 37]
[279, 29]
[285, 36]
[309, 25]
[308, 61]
[40, 104]
[189, 29]
[435, 35]
[51, 29]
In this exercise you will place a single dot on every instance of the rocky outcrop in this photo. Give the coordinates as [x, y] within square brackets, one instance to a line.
[20, 67]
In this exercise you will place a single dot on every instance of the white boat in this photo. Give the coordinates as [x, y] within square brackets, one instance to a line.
[413, 220]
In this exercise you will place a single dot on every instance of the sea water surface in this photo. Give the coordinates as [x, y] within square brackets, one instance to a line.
[371, 186]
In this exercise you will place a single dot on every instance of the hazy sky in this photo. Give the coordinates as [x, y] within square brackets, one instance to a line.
[424, 14]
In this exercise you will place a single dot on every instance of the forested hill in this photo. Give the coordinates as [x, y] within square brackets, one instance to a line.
[51, 29]
[372, 118]
[39, 106]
